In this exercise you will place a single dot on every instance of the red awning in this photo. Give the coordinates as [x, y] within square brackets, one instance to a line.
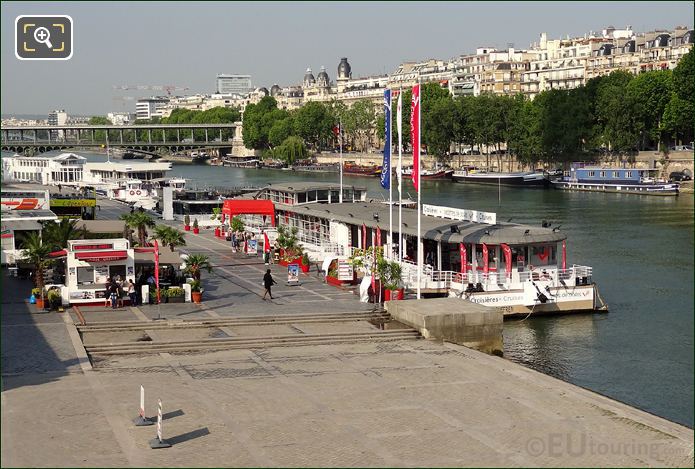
[234, 207]
[60, 253]
[101, 256]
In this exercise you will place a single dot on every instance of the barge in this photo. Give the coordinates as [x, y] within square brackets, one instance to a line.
[616, 180]
[518, 179]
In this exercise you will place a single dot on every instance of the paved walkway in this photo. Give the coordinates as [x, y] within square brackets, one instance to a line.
[406, 403]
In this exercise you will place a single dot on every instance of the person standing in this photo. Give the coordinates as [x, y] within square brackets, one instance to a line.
[113, 294]
[130, 289]
[268, 282]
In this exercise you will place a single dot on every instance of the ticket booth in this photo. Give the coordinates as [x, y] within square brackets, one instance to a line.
[90, 263]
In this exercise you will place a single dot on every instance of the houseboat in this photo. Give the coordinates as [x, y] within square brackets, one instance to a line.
[429, 173]
[469, 254]
[536, 179]
[351, 168]
[583, 177]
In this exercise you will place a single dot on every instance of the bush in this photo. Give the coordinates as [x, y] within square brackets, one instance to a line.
[305, 259]
[174, 291]
[195, 223]
[36, 292]
[187, 220]
[54, 298]
[195, 286]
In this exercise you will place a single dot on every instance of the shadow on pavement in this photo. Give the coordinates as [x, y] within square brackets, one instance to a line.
[188, 436]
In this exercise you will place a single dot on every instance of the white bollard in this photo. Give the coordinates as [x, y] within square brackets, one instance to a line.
[145, 290]
[141, 420]
[158, 442]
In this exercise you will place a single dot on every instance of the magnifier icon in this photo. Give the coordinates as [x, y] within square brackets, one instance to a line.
[43, 35]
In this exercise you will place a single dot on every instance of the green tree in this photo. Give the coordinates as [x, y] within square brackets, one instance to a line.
[195, 263]
[649, 94]
[258, 120]
[359, 123]
[684, 77]
[677, 120]
[280, 131]
[99, 135]
[139, 221]
[169, 236]
[313, 122]
[291, 150]
[37, 254]
[438, 127]
[57, 234]
[615, 113]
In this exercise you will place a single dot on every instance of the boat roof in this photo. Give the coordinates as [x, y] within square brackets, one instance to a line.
[295, 187]
[433, 228]
[129, 166]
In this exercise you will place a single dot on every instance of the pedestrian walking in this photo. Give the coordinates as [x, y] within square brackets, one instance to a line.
[113, 294]
[268, 282]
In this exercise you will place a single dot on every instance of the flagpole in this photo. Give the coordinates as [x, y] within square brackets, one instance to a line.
[390, 243]
[419, 191]
[340, 138]
[399, 169]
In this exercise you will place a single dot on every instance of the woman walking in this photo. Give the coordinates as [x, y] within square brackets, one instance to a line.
[131, 293]
[268, 282]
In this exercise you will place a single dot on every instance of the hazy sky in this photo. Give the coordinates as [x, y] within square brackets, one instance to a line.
[188, 43]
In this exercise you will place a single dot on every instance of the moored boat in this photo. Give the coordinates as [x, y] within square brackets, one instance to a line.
[350, 167]
[517, 179]
[582, 177]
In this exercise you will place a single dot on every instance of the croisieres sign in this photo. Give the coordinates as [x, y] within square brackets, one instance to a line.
[459, 214]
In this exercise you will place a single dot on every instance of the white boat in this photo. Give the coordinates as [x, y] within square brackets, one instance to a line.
[518, 179]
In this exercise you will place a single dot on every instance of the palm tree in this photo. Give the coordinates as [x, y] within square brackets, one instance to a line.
[37, 254]
[139, 221]
[195, 263]
[169, 236]
[57, 235]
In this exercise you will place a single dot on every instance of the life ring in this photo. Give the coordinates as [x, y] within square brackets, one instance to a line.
[132, 192]
[138, 192]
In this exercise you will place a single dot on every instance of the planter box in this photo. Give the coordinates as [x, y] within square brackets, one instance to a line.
[305, 268]
[338, 283]
[294, 261]
[196, 230]
[217, 232]
[176, 299]
[186, 227]
[393, 295]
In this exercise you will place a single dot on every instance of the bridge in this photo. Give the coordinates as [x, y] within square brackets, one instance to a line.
[148, 137]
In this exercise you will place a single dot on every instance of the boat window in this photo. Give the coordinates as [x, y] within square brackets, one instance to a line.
[628, 174]
[322, 196]
[302, 197]
[592, 174]
[616, 174]
[335, 196]
[602, 174]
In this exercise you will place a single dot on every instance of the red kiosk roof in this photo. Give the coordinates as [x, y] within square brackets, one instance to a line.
[234, 207]
[100, 256]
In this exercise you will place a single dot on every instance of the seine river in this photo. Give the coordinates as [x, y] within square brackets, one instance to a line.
[641, 250]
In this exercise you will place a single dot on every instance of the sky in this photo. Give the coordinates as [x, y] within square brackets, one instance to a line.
[187, 44]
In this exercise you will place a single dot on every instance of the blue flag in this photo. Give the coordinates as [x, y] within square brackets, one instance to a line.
[386, 166]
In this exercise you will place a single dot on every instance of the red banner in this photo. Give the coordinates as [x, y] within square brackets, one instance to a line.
[507, 259]
[485, 259]
[266, 242]
[364, 236]
[156, 267]
[378, 236]
[415, 134]
[464, 261]
[564, 255]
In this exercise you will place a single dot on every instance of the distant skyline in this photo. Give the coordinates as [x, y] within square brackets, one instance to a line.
[188, 44]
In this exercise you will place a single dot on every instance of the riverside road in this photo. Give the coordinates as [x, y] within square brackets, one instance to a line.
[337, 401]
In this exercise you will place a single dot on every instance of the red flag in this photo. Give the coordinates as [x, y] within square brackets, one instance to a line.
[564, 255]
[266, 242]
[364, 236]
[378, 236]
[507, 259]
[156, 268]
[485, 259]
[415, 133]
[336, 130]
[464, 261]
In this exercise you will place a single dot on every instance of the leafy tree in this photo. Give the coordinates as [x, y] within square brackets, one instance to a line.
[195, 263]
[438, 127]
[291, 150]
[313, 122]
[649, 94]
[359, 123]
[684, 77]
[237, 224]
[37, 254]
[99, 135]
[57, 235]
[678, 119]
[139, 221]
[280, 131]
[258, 120]
[615, 112]
[169, 236]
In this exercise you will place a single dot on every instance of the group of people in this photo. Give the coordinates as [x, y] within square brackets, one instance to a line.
[117, 290]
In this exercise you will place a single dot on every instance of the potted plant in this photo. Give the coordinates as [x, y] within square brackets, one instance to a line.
[196, 230]
[169, 236]
[196, 291]
[305, 263]
[186, 222]
[38, 255]
[390, 274]
[290, 249]
[55, 301]
[216, 215]
[175, 295]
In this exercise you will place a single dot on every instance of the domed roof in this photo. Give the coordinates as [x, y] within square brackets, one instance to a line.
[323, 78]
[275, 90]
[344, 68]
[309, 77]
[263, 90]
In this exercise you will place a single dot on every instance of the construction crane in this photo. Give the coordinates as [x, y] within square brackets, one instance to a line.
[167, 88]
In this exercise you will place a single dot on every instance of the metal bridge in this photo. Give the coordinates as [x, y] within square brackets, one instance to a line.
[148, 137]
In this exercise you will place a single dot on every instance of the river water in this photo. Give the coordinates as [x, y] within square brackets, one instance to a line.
[641, 250]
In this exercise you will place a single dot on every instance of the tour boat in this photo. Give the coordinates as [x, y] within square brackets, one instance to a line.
[521, 269]
[429, 173]
[617, 180]
[317, 167]
[517, 179]
[351, 168]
